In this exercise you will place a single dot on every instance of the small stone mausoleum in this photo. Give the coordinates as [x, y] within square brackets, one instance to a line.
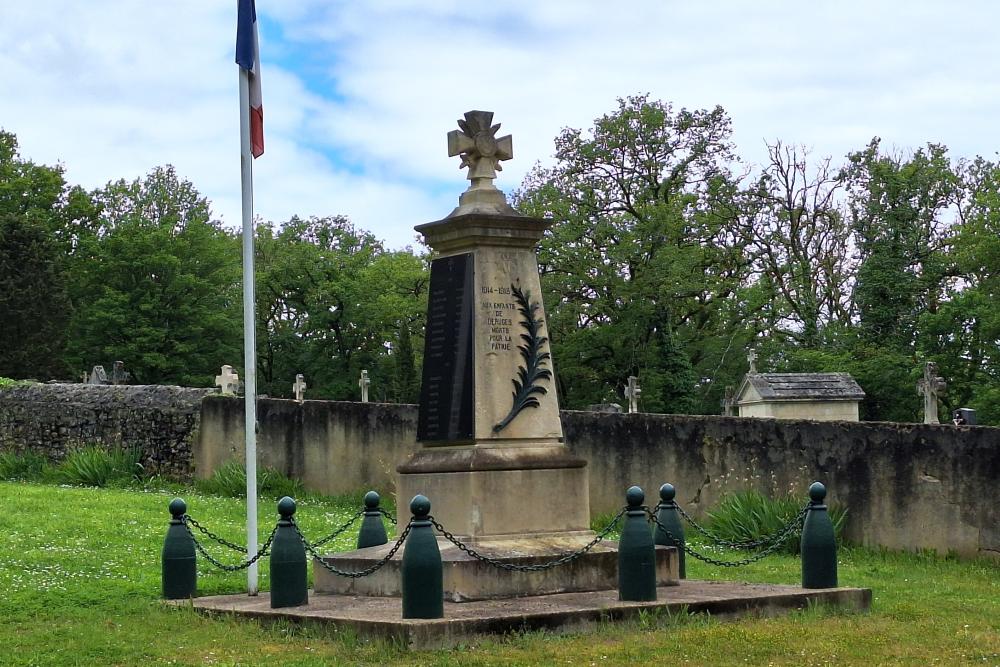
[820, 396]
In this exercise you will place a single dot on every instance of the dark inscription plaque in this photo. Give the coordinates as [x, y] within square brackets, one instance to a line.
[446, 392]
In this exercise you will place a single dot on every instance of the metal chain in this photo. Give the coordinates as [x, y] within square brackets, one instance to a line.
[212, 536]
[388, 516]
[535, 567]
[233, 568]
[361, 573]
[339, 530]
[744, 544]
[788, 530]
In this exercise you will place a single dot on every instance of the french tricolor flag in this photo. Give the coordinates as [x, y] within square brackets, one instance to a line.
[248, 57]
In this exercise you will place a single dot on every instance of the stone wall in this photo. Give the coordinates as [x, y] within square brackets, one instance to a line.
[906, 486]
[55, 419]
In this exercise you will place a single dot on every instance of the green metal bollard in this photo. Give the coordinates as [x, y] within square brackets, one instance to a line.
[180, 571]
[288, 561]
[636, 553]
[372, 531]
[423, 587]
[819, 544]
[670, 518]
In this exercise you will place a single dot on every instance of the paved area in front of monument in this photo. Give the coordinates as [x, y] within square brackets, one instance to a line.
[564, 612]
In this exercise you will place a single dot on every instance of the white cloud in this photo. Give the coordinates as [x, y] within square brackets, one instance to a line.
[359, 95]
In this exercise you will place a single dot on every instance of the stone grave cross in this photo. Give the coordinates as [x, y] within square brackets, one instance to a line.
[363, 383]
[228, 380]
[752, 358]
[931, 386]
[300, 387]
[632, 392]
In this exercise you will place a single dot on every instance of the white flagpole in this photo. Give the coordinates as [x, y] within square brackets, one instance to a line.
[249, 329]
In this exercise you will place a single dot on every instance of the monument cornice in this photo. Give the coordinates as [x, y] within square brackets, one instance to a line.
[469, 230]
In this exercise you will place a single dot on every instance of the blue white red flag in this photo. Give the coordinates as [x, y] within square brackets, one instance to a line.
[248, 57]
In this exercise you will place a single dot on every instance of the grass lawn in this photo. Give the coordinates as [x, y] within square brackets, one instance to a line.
[80, 585]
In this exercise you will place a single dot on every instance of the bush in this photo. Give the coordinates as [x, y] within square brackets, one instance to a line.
[27, 466]
[750, 515]
[230, 480]
[95, 466]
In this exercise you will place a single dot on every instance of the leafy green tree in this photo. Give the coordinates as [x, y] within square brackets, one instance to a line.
[333, 301]
[642, 268]
[33, 300]
[40, 215]
[156, 284]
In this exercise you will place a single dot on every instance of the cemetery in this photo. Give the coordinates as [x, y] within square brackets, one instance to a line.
[495, 489]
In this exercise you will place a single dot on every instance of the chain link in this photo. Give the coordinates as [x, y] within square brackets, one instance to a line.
[789, 528]
[232, 568]
[750, 545]
[212, 536]
[361, 573]
[339, 530]
[388, 516]
[534, 567]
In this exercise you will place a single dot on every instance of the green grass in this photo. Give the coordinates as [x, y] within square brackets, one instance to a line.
[230, 480]
[80, 580]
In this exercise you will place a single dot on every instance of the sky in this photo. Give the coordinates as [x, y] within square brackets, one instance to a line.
[360, 94]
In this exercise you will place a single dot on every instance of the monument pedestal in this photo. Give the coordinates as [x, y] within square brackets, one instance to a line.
[467, 579]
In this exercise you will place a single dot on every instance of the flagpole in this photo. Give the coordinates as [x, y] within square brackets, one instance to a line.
[249, 329]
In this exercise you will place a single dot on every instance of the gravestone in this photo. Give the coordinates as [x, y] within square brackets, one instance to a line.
[98, 376]
[299, 388]
[729, 402]
[611, 408]
[228, 381]
[931, 386]
[364, 382]
[118, 373]
[752, 360]
[632, 392]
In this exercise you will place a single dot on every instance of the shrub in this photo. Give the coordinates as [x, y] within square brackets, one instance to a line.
[27, 466]
[230, 480]
[750, 515]
[95, 466]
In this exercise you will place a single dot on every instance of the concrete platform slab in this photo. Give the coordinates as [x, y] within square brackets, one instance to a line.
[382, 616]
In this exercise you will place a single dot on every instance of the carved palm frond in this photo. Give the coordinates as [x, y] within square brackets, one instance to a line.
[526, 387]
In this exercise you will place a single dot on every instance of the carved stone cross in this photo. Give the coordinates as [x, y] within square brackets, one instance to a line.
[752, 358]
[632, 392]
[931, 386]
[481, 151]
[228, 380]
[363, 383]
[299, 387]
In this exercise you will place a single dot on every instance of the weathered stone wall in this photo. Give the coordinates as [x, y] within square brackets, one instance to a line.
[54, 419]
[906, 486]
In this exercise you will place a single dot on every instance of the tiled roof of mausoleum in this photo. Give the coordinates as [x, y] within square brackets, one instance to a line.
[798, 386]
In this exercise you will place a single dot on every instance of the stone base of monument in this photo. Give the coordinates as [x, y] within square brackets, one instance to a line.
[467, 578]
[381, 617]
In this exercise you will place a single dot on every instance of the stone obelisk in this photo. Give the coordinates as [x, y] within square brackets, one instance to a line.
[492, 459]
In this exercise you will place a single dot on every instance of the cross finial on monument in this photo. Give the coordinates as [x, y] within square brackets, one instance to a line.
[931, 386]
[632, 392]
[481, 151]
[300, 387]
[752, 358]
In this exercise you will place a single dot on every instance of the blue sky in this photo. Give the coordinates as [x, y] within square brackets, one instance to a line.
[359, 96]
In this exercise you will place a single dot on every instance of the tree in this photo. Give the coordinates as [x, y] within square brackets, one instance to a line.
[643, 267]
[156, 284]
[800, 243]
[39, 218]
[333, 301]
